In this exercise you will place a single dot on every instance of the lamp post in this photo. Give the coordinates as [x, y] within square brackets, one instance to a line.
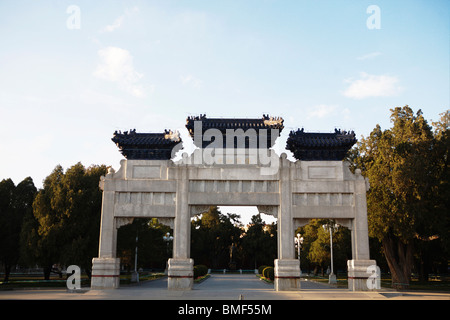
[331, 227]
[299, 242]
[167, 238]
[135, 274]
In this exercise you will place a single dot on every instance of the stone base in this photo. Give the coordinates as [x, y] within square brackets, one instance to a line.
[332, 278]
[362, 275]
[287, 275]
[105, 273]
[181, 274]
[135, 276]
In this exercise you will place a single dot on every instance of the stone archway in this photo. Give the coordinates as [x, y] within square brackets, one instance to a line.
[174, 191]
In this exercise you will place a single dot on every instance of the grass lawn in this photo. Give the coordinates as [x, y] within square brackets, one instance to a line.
[36, 281]
[433, 284]
[143, 276]
[439, 283]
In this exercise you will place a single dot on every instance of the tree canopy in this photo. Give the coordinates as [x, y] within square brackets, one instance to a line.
[15, 205]
[212, 235]
[67, 218]
[259, 243]
[407, 167]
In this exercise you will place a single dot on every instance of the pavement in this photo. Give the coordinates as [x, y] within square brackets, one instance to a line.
[220, 287]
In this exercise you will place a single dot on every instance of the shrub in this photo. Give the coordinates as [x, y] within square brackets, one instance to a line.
[269, 273]
[203, 270]
[196, 272]
[261, 268]
[200, 270]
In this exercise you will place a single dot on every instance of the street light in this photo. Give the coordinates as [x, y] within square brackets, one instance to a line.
[135, 274]
[331, 227]
[299, 242]
[167, 238]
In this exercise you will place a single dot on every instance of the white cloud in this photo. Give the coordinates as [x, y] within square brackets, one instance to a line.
[372, 86]
[369, 56]
[346, 113]
[119, 21]
[191, 80]
[321, 111]
[116, 24]
[116, 65]
[327, 111]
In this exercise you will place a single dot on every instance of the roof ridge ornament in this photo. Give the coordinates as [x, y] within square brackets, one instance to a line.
[173, 136]
[270, 121]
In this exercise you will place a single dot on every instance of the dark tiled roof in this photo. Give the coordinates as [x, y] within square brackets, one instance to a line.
[222, 124]
[148, 146]
[320, 146]
[306, 146]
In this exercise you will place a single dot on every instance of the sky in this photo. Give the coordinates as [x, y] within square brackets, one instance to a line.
[73, 72]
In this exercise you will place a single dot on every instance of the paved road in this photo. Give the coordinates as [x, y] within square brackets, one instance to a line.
[217, 286]
[220, 287]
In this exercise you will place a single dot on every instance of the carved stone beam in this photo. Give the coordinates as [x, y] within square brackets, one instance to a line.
[300, 222]
[167, 222]
[194, 210]
[120, 222]
[270, 210]
[344, 222]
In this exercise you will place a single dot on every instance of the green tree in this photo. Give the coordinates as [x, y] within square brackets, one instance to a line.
[405, 171]
[67, 212]
[315, 252]
[441, 191]
[7, 224]
[259, 245]
[15, 205]
[152, 251]
[253, 241]
[432, 245]
[212, 236]
[83, 209]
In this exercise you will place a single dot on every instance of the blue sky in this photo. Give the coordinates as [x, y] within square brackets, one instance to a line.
[149, 64]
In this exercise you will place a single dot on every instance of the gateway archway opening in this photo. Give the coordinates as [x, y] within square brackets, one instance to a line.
[236, 239]
[142, 249]
[322, 254]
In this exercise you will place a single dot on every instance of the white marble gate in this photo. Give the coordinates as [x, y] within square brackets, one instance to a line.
[173, 192]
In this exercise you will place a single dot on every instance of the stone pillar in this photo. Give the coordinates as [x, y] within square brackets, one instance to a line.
[106, 268]
[360, 229]
[360, 267]
[105, 273]
[287, 269]
[181, 267]
[361, 276]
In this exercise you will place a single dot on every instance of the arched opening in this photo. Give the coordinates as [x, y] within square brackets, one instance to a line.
[325, 246]
[143, 250]
[233, 239]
